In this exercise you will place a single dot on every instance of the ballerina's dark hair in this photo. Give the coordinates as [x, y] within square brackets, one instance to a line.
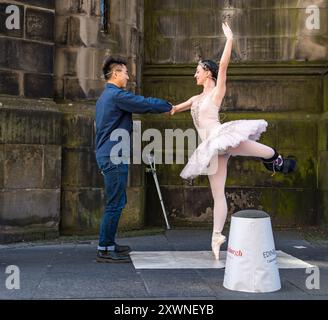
[210, 65]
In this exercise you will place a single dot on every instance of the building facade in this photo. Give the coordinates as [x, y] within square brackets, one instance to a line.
[50, 76]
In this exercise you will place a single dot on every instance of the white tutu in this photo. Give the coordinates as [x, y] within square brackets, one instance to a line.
[222, 137]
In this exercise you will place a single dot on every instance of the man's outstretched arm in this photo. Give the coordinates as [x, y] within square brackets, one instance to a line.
[130, 102]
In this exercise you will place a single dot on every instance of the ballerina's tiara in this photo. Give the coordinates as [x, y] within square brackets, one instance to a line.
[204, 65]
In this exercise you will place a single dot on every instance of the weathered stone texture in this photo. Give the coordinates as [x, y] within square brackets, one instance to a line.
[82, 46]
[40, 25]
[28, 207]
[82, 211]
[29, 125]
[48, 4]
[30, 169]
[289, 93]
[185, 31]
[48, 171]
[27, 56]
[31, 52]
[9, 83]
[38, 85]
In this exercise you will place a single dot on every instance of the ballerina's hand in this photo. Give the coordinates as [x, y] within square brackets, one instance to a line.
[227, 31]
[173, 111]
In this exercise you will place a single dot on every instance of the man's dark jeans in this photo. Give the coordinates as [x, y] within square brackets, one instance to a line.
[115, 179]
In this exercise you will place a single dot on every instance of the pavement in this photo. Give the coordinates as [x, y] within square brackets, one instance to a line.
[68, 270]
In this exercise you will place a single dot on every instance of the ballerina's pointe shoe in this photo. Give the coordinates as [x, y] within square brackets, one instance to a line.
[217, 240]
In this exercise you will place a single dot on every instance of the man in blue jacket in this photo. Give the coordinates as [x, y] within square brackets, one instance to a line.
[114, 110]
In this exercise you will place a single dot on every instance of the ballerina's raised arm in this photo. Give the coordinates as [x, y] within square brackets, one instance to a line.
[220, 88]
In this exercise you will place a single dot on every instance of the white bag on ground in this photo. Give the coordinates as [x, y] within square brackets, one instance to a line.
[251, 264]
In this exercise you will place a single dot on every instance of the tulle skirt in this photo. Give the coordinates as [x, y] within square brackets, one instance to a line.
[221, 138]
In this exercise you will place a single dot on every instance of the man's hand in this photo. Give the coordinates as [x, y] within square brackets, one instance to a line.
[173, 110]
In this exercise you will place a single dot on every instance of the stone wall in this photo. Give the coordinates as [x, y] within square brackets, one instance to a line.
[30, 169]
[30, 130]
[323, 156]
[81, 46]
[287, 93]
[27, 53]
[49, 181]
[269, 30]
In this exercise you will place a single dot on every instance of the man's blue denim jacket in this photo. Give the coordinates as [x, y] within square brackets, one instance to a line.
[114, 110]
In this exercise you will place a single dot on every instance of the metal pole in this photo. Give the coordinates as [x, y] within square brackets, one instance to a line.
[153, 170]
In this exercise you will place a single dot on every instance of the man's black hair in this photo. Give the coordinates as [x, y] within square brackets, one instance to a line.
[109, 64]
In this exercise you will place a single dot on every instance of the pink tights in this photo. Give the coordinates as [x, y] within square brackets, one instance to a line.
[217, 181]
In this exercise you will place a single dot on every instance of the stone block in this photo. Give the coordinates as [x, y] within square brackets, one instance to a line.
[29, 207]
[133, 213]
[66, 63]
[81, 211]
[323, 208]
[198, 204]
[249, 198]
[61, 29]
[58, 89]
[89, 30]
[173, 198]
[85, 63]
[297, 135]
[77, 130]
[10, 234]
[92, 88]
[323, 170]
[68, 212]
[79, 168]
[73, 33]
[40, 25]
[95, 8]
[158, 50]
[169, 174]
[283, 94]
[27, 56]
[52, 163]
[325, 93]
[120, 10]
[83, 7]
[267, 31]
[2, 165]
[73, 90]
[310, 48]
[295, 207]
[288, 92]
[3, 18]
[23, 166]
[136, 175]
[38, 85]
[9, 83]
[178, 89]
[247, 172]
[323, 135]
[48, 4]
[28, 126]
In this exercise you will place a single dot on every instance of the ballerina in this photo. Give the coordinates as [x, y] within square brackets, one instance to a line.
[220, 141]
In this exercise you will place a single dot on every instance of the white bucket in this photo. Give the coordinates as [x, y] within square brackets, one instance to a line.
[251, 264]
